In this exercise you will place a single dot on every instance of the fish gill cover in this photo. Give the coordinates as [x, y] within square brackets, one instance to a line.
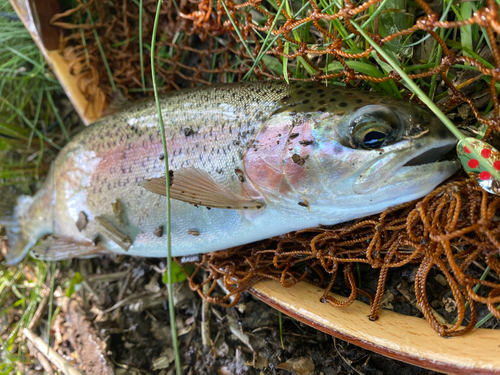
[450, 50]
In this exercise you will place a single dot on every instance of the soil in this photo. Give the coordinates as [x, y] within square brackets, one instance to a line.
[128, 311]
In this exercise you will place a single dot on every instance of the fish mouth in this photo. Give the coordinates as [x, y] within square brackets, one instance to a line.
[395, 166]
[433, 155]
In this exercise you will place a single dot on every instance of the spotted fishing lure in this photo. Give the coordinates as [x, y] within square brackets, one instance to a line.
[477, 168]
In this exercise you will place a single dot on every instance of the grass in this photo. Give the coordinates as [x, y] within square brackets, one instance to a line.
[21, 291]
[168, 226]
[31, 133]
[27, 139]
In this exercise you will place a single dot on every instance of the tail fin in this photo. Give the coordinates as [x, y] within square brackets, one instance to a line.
[12, 244]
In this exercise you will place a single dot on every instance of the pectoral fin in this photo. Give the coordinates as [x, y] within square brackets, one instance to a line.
[195, 186]
[60, 247]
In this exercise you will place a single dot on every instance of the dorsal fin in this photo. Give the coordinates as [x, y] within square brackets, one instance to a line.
[196, 186]
[60, 247]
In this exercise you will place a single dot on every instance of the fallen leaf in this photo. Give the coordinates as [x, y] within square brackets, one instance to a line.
[166, 358]
[298, 366]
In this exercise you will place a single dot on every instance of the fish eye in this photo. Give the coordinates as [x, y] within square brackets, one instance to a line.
[371, 135]
[373, 126]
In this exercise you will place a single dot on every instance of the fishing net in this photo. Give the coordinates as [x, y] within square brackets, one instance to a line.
[454, 229]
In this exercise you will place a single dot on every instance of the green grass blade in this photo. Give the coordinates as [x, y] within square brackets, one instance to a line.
[171, 307]
[143, 81]
[56, 114]
[101, 50]
[264, 48]
[30, 124]
[238, 31]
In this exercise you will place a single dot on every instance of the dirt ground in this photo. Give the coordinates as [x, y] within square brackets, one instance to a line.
[123, 308]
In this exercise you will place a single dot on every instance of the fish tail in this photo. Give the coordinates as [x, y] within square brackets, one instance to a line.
[13, 246]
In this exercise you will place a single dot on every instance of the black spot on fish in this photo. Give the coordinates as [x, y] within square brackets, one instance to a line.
[322, 109]
[320, 91]
[342, 104]
[308, 95]
[294, 135]
[302, 204]
[359, 101]
[300, 92]
[306, 143]
[161, 157]
[321, 102]
[298, 160]
[158, 232]
[240, 174]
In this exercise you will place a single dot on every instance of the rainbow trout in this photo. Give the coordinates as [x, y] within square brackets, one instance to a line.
[248, 161]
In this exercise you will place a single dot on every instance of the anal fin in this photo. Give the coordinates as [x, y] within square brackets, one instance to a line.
[60, 247]
[196, 186]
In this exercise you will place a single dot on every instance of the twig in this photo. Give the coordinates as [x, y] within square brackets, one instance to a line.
[39, 312]
[50, 353]
[205, 316]
[41, 358]
[134, 297]
[347, 361]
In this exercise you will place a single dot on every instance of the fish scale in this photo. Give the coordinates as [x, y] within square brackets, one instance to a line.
[287, 146]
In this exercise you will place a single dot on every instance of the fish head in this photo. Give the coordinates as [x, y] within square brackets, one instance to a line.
[350, 150]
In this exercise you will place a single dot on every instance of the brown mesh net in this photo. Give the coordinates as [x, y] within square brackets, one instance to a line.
[453, 229]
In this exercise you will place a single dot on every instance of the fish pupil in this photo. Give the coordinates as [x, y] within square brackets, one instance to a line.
[374, 139]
